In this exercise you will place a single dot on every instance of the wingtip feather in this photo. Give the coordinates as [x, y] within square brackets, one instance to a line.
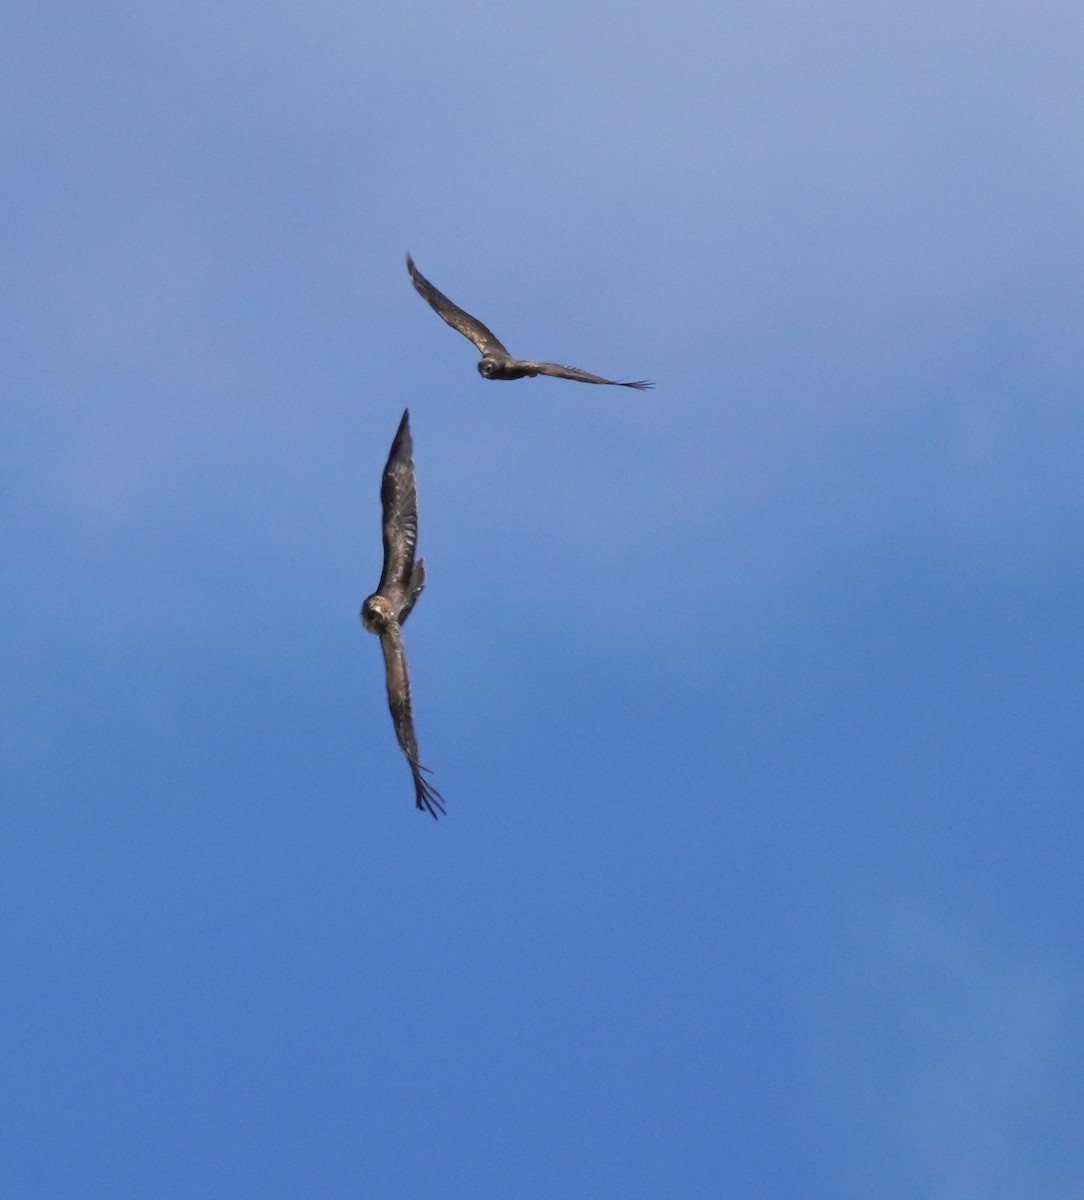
[426, 797]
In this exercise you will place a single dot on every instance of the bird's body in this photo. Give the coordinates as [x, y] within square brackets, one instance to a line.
[401, 582]
[496, 362]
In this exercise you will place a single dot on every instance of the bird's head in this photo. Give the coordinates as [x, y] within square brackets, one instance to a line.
[376, 613]
[488, 368]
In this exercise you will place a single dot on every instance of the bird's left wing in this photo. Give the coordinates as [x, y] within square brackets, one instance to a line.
[402, 714]
[563, 372]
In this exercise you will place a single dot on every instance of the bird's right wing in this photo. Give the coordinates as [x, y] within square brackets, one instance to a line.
[399, 500]
[470, 327]
[414, 590]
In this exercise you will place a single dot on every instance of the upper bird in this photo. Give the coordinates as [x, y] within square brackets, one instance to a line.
[401, 583]
[496, 362]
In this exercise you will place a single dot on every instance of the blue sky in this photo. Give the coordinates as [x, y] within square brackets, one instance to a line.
[755, 700]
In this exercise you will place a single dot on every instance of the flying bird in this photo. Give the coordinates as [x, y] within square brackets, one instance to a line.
[496, 362]
[401, 583]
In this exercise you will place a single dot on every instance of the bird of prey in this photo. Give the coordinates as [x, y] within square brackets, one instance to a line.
[496, 362]
[401, 583]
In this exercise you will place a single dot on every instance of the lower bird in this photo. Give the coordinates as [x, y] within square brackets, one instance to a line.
[496, 362]
[386, 610]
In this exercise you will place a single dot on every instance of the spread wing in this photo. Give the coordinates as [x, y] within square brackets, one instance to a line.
[402, 714]
[399, 499]
[562, 372]
[470, 327]
[417, 586]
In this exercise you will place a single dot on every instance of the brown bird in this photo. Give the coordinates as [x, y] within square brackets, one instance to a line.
[496, 362]
[401, 583]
